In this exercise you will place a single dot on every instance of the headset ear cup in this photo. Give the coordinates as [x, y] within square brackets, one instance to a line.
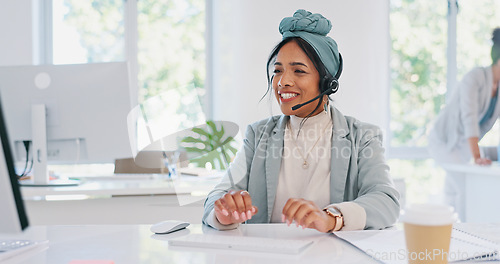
[326, 84]
[334, 85]
[330, 84]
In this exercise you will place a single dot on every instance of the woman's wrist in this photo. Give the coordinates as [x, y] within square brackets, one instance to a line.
[335, 221]
[332, 221]
[474, 148]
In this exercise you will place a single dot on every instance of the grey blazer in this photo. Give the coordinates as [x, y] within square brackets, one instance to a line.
[359, 172]
[459, 120]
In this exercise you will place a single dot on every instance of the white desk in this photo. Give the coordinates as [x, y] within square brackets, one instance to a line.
[127, 185]
[119, 200]
[482, 191]
[136, 244]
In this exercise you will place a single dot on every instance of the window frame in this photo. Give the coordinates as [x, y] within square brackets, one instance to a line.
[412, 153]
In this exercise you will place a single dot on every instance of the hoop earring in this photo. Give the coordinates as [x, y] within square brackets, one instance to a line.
[325, 105]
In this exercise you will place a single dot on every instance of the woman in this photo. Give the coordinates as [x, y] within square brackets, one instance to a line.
[469, 115]
[311, 165]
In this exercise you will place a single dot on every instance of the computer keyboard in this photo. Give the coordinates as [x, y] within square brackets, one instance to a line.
[242, 243]
[10, 248]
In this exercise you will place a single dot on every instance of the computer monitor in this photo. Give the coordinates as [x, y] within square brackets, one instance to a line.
[13, 216]
[68, 113]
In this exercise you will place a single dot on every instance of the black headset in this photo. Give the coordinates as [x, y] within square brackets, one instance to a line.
[328, 84]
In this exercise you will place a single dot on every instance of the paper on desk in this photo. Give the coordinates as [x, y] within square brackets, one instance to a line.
[489, 232]
[388, 246]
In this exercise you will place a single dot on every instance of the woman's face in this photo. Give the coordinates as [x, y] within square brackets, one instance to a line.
[295, 81]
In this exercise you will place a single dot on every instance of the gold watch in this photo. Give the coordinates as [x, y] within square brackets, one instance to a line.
[339, 219]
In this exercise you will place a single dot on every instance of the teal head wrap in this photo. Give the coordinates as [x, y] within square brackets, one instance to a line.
[313, 28]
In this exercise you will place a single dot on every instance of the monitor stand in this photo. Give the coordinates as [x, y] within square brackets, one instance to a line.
[39, 141]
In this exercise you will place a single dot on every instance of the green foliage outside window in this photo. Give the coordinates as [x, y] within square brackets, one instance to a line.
[171, 42]
[101, 28]
[418, 68]
[171, 46]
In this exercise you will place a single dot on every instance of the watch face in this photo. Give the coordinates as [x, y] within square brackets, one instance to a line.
[334, 212]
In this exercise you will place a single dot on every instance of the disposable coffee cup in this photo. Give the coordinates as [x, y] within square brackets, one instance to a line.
[428, 232]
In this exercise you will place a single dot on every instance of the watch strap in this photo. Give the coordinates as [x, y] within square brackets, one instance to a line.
[339, 220]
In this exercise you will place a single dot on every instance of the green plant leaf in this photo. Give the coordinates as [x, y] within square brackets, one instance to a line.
[220, 133]
[222, 163]
[232, 149]
[226, 141]
[196, 150]
[217, 151]
[190, 139]
[210, 157]
[213, 127]
[201, 132]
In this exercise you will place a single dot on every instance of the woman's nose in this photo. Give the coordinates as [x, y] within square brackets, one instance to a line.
[285, 80]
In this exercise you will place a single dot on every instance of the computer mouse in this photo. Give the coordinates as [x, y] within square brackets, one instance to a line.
[168, 226]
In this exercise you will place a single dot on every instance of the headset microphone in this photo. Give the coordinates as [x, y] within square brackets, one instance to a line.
[328, 81]
[295, 107]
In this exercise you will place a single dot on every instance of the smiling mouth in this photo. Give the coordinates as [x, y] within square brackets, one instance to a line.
[287, 96]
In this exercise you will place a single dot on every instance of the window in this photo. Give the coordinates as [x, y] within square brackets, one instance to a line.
[421, 58]
[418, 68]
[163, 40]
[171, 45]
[171, 40]
[88, 31]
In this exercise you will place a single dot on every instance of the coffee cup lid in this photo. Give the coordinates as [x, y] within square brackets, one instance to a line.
[429, 214]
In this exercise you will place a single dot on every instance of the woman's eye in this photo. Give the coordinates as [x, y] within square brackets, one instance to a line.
[276, 71]
[300, 71]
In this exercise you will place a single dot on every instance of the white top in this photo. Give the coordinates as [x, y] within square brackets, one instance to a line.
[312, 183]
[314, 143]
[468, 104]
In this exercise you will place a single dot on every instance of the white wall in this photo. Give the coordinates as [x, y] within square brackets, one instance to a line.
[246, 31]
[16, 32]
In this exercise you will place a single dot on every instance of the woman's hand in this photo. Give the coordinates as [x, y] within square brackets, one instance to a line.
[482, 161]
[306, 214]
[234, 207]
[476, 154]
